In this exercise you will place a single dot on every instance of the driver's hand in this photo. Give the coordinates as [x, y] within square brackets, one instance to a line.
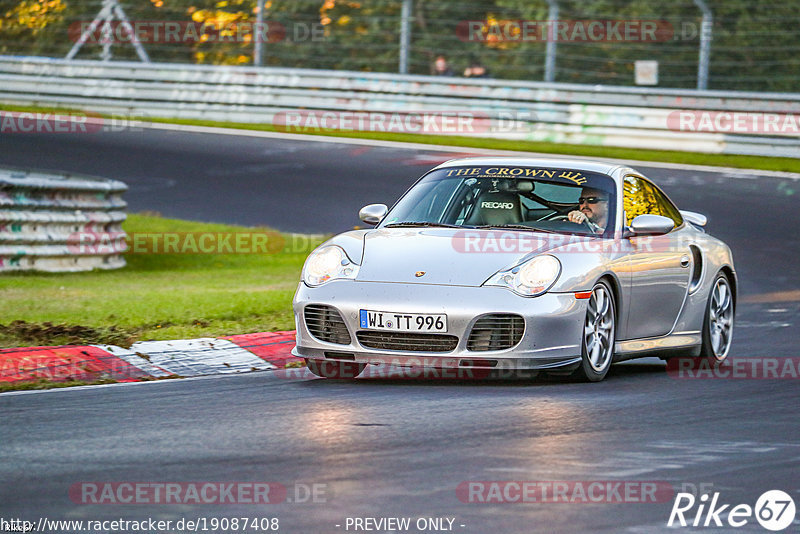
[576, 217]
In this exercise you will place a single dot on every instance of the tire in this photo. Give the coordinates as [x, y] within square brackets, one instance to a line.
[334, 368]
[599, 335]
[718, 321]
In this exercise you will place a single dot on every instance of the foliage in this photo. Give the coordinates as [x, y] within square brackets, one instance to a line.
[754, 43]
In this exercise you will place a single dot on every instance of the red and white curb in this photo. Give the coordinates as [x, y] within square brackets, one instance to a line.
[150, 359]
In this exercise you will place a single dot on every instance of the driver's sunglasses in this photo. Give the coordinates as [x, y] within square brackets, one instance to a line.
[591, 200]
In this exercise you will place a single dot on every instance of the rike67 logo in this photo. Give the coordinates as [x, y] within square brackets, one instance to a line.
[774, 510]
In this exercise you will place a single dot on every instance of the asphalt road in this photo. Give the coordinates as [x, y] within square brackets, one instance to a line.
[385, 448]
[400, 448]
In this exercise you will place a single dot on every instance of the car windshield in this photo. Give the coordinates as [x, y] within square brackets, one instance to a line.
[507, 196]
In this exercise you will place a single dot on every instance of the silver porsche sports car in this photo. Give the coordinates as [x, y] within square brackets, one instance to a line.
[518, 263]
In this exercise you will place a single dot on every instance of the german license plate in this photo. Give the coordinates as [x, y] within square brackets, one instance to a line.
[403, 322]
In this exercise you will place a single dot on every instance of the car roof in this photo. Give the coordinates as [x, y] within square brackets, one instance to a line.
[576, 164]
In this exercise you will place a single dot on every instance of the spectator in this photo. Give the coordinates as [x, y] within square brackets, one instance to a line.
[441, 67]
[476, 70]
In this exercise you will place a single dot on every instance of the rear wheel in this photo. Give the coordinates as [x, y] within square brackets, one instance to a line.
[718, 322]
[599, 329]
[334, 369]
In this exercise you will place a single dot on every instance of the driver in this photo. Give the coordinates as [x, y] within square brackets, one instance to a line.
[592, 209]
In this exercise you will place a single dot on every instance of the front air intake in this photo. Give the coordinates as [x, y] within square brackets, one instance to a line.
[496, 332]
[325, 324]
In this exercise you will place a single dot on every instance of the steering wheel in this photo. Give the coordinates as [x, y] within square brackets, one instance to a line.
[565, 217]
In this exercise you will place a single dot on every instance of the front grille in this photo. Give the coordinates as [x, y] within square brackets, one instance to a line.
[325, 324]
[407, 342]
[496, 332]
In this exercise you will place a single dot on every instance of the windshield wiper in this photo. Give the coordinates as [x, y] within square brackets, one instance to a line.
[529, 228]
[411, 224]
[515, 227]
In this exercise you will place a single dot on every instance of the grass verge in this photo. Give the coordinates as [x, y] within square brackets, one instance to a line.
[156, 296]
[668, 156]
[44, 383]
[50, 384]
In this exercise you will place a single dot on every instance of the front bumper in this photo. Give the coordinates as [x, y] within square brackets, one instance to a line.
[551, 339]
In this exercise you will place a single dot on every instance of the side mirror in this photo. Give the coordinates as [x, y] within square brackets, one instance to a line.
[695, 218]
[373, 213]
[650, 225]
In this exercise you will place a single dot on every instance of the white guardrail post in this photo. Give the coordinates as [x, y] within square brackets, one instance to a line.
[60, 222]
[765, 124]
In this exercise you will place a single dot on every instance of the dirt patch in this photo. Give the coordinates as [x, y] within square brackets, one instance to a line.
[66, 334]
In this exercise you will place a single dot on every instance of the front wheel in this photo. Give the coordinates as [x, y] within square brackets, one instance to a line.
[599, 335]
[334, 368]
[718, 322]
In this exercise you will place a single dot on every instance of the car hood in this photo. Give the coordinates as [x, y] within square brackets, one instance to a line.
[446, 256]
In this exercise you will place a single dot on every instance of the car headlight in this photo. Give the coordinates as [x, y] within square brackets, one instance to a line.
[529, 279]
[328, 263]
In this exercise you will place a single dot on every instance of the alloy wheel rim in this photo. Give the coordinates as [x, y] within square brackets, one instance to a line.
[720, 319]
[598, 331]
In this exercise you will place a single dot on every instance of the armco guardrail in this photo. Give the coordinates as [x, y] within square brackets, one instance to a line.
[564, 113]
[46, 220]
